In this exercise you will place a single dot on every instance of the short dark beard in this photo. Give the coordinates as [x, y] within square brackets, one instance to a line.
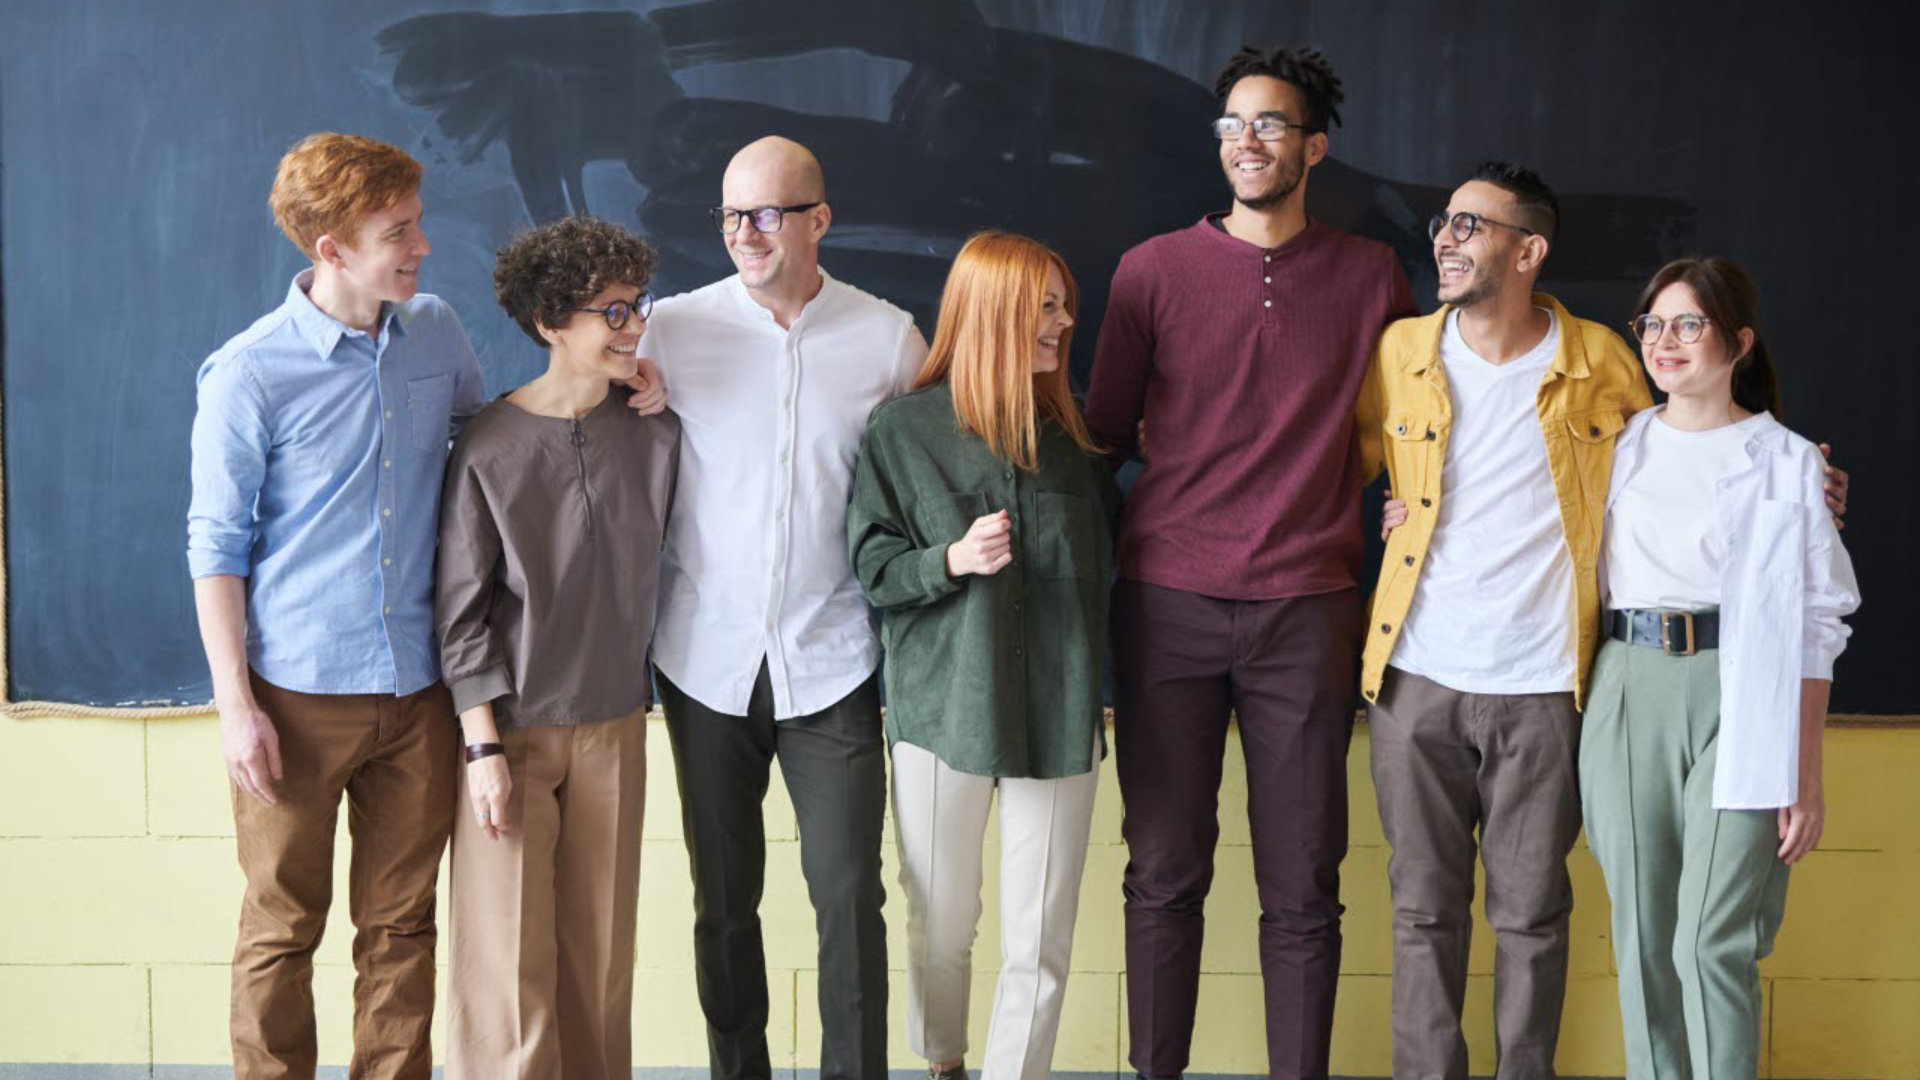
[1271, 199]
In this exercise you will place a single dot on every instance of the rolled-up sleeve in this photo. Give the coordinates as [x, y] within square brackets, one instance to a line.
[1832, 593]
[230, 442]
[471, 658]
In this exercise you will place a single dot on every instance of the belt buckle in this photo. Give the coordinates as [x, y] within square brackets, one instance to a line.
[1666, 632]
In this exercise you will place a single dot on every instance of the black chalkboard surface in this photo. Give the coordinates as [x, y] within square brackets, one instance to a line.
[137, 142]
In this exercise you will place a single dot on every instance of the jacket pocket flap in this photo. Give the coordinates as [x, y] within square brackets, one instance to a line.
[1412, 426]
[1596, 426]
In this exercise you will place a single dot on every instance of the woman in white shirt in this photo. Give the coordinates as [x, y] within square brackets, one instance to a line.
[1700, 764]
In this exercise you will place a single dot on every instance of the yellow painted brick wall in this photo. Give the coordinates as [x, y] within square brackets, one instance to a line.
[119, 893]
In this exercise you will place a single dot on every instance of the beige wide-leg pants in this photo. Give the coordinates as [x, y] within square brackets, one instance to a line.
[544, 916]
[940, 822]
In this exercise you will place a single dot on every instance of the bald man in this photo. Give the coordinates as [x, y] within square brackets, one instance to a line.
[763, 647]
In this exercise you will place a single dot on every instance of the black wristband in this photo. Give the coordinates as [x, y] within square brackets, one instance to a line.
[483, 750]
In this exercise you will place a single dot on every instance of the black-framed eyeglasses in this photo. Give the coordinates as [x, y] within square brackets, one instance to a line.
[1688, 328]
[766, 219]
[1265, 128]
[1463, 225]
[620, 312]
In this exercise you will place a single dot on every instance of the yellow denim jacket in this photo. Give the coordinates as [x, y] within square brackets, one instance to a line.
[1404, 416]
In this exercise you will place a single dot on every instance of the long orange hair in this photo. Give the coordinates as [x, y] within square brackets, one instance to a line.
[984, 345]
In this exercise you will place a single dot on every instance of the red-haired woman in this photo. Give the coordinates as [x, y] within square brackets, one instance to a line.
[1700, 759]
[981, 525]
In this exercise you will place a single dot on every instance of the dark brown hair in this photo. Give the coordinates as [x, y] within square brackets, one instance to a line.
[545, 273]
[1729, 300]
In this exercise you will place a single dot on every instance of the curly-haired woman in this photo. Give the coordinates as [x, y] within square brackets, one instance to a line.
[555, 503]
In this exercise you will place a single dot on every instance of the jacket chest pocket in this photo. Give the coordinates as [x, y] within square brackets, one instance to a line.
[1413, 446]
[1590, 438]
[1064, 537]
[429, 411]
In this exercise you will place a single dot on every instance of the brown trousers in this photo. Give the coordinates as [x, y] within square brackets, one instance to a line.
[544, 915]
[1446, 765]
[393, 757]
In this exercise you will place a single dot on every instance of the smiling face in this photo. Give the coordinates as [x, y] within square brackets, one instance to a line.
[585, 344]
[1702, 369]
[774, 172]
[1265, 174]
[1476, 270]
[1054, 321]
[382, 261]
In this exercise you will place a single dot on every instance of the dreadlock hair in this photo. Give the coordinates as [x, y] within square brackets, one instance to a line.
[1306, 68]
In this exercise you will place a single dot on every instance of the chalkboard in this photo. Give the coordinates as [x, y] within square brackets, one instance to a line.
[137, 143]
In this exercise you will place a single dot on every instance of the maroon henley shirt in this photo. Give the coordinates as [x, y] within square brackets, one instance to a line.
[1245, 363]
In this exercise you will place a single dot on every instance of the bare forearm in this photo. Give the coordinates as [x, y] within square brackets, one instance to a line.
[477, 724]
[221, 601]
[1814, 694]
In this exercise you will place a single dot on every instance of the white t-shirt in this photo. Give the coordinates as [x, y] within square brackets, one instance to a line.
[1493, 609]
[1662, 549]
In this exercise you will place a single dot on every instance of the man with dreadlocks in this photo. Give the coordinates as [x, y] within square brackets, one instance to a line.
[1242, 342]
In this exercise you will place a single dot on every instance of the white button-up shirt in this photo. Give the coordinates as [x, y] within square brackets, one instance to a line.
[1785, 584]
[771, 421]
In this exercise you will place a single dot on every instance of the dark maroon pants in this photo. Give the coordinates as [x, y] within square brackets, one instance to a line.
[1288, 670]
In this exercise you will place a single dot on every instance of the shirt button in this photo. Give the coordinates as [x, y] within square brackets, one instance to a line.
[387, 464]
[779, 515]
[1266, 303]
[386, 562]
[784, 455]
[1409, 560]
[1426, 502]
[1269, 258]
[1594, 430]
[388, 512]
[1009, 474]
[1267, 280]
[386, 611]
[1386, 629]
[1431, 436]
[769, 626]
[389, 414]
[1401, 430]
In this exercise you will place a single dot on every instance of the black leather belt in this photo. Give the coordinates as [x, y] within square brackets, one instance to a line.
[1676, 633]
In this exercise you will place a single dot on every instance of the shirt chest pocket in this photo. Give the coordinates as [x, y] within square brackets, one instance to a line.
[1064, 536]
[429, 411]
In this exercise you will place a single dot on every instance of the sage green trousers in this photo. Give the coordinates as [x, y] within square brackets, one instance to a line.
[1697, 893]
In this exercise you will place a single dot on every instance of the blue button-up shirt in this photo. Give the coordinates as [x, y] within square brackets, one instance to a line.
[318, 453]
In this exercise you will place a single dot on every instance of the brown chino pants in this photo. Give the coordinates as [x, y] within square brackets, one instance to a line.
[544, 915]
[394, 759]
[1445, 765]
[1288, 671]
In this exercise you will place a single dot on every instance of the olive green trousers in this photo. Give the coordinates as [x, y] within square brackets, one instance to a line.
[1697, 893]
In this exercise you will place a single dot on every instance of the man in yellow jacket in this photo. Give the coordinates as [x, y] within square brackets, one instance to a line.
[1495, 418]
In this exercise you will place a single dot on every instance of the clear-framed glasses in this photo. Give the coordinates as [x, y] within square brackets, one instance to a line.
[1463, 225]
[766, 219]
[1688, 328]
[1265, 128]
[620, 312]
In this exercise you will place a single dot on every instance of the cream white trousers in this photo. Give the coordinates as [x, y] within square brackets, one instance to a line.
[940, 822]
